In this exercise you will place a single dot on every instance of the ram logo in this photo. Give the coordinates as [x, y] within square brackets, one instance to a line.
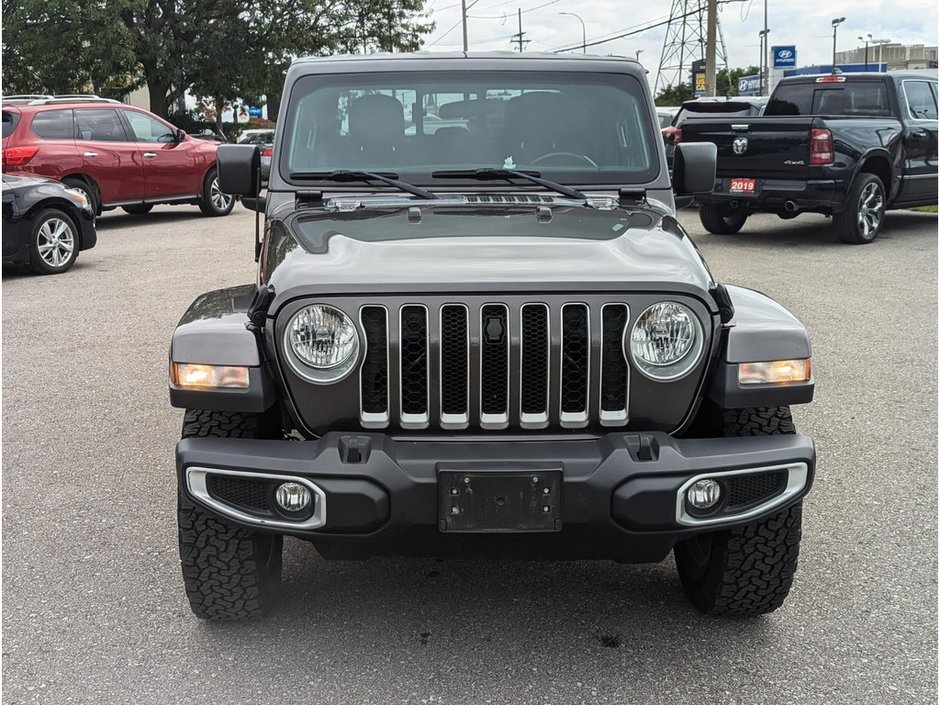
[739, 146]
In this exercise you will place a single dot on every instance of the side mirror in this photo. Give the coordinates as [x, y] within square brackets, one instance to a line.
[180, 135]
[255, 203]
[693, 168]
[239, 169]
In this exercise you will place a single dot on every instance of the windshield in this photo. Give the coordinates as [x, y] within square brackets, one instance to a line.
[571, 128]
[257, 138]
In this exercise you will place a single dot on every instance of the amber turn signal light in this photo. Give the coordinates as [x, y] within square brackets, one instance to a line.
[192, 376]
[774, 372]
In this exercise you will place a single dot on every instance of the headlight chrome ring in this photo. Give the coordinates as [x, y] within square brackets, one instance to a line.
[321, 343]
[666, 341]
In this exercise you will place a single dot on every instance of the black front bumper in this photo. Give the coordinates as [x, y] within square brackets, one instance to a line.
[773, 195]
[618, 492]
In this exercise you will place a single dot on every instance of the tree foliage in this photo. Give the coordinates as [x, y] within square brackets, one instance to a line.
[224, 49]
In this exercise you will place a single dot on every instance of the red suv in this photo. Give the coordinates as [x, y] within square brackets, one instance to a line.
[116, 154]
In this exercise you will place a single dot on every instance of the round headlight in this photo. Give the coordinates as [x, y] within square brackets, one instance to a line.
[324, 340]
[666, 340]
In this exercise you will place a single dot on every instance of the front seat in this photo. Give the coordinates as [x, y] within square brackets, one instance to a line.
[376, 130]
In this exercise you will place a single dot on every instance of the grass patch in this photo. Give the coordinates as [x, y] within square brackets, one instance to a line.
[926, 209]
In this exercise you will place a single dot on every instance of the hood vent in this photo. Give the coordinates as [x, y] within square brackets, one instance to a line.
[511, 198]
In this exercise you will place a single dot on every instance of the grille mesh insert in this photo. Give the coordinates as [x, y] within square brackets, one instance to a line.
[535, 344]
[454, 359]
[250, 494]
[374, 374]
[494, 359]
[575, 353]
[614, 367]
[745, 490]
[414, 360]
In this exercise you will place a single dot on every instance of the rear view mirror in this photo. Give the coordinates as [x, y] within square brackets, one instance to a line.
[693, 168]
[239, 169]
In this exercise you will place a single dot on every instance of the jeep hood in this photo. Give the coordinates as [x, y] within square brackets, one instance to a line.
[464, 249]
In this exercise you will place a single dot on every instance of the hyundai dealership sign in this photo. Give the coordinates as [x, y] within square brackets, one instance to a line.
[784, 57]
[749, 85]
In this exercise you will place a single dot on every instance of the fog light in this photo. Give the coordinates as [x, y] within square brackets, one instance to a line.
[704, 494]
[293, 497]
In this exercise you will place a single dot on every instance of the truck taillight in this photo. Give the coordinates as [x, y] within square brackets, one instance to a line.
[267, 151]
[820, 147]
[18, 156]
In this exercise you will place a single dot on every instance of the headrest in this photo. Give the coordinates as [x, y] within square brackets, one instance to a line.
[375, 117]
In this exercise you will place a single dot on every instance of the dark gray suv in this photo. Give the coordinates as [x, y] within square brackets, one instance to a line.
[478, 329]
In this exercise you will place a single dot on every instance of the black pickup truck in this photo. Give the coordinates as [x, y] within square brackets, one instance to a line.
[846, 145]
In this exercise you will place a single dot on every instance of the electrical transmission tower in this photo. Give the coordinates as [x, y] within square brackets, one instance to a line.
[685, 43]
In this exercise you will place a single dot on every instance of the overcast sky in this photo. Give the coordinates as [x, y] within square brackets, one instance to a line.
[805, 23]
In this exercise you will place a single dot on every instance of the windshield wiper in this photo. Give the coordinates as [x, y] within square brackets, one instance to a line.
[342, 175]
[492, 174]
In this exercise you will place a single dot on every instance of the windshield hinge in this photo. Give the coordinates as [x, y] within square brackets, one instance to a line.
[632, 196]
[303, 197]
[258, 308]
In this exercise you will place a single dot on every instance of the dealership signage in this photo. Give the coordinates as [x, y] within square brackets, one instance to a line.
[749, 85]
[698, 77]
[784, 57]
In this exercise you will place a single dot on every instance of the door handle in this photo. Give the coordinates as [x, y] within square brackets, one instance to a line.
[149, 155]
[89, 154]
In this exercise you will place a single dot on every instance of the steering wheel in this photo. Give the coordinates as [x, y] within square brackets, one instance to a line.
[553, 155]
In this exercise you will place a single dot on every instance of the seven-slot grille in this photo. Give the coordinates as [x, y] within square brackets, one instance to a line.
[493, 366]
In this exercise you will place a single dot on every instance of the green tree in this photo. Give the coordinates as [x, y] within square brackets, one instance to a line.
[674, 95]
[224, 49]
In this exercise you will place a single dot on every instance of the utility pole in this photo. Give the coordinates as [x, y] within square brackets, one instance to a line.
[862, 39]
[765, 71]
[710, 38]
[463, 15]
[519, 37]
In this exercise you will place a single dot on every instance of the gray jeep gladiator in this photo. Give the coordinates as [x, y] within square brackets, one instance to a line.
[479, 330]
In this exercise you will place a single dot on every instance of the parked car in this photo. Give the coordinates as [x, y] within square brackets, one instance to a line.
[45, 224]
[666, 115]
[471, 358]
[265, 141]
[847, 145]
[116, 154]
[712, 107]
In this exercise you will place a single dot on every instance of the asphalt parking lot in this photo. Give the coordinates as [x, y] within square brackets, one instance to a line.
[93, 604]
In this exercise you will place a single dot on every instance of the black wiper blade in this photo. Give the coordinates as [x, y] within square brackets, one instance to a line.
[509, 174]
[341, 175]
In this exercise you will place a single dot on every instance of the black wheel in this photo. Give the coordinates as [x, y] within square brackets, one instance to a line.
[53, 242]
[89, 192]
[747, 570]
[213, 201]
[230, 573]
[864, 211]
[719, 219]
[139, 209]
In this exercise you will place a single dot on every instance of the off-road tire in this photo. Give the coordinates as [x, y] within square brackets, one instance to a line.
[207, 203]
[848, 223]
[719, 219]
[138, 209]
[747, 570]
[229, 572]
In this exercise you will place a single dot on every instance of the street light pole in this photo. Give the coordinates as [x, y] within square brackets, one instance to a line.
[835, 28]
[764, 81]
[862, 39]
[583, 31]
[637, 53]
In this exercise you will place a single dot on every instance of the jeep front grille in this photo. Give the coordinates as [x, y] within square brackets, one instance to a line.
[494, 365]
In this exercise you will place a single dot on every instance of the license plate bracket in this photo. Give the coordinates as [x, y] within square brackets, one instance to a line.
[742, 185]
[500, 501]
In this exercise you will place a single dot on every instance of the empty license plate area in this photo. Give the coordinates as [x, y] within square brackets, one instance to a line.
[743, 185]
[500, 501]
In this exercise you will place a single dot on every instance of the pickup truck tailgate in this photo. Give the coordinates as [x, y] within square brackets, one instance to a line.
[776, 147]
